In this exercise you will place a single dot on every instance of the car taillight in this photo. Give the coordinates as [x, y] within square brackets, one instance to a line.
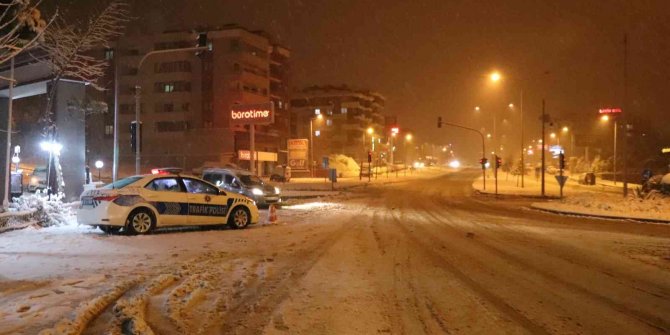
[106, 198]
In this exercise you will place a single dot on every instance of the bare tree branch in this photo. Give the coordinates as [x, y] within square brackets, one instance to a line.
[21, 25]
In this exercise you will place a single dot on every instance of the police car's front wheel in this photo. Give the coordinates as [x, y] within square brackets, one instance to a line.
[140, 222]
[239, 218]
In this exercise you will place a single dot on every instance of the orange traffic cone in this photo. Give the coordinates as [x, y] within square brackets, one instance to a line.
[273, 214]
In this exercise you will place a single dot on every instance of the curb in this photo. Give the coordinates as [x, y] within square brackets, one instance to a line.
[548, 197]
[599, 216]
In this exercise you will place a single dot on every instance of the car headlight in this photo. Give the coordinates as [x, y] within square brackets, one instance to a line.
[256, 191]
[33, 181]
[277, 190]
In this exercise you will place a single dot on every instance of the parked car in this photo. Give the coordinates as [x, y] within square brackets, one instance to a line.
[243, 182]
[38, 180]
[142, 203]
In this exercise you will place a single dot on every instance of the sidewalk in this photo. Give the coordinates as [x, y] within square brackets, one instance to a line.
[604, 200]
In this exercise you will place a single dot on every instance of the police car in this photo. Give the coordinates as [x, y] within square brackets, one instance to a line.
[139, 204]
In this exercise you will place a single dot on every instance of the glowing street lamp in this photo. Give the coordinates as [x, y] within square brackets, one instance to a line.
[98, 165]
[495, 76]
[565, 129]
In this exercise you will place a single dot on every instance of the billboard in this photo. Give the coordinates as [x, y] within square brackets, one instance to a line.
[298, 157]
[609, 111]
[252, 114]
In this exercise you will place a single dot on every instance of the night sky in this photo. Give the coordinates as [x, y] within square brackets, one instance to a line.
[431, 57]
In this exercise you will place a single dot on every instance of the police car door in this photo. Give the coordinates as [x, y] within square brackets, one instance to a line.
[169, 198]
[205, 204]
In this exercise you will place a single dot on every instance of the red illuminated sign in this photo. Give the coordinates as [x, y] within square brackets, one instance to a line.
[252, 114]
[609, 111]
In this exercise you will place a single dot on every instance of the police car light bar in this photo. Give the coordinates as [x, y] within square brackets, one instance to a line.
[166, 171]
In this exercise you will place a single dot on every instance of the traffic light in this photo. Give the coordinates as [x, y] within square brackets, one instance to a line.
[369, 157]
[561, 161]
[498, 162]
[133, 136]
[202, 40]
[439, 122]
[483, 162]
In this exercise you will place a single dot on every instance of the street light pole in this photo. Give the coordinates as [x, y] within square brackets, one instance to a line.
[138, 90]
[615, 138]
[311, 147]
[523, 166]
[544, 120]
[483, 146]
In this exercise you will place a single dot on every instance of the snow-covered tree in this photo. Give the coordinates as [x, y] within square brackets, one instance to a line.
[70, 48]
[21, 25]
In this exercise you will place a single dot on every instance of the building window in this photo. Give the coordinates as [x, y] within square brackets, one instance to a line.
[343, 110]
[234, 45]
[329, 122]
[109, 54]
[185, 107]
[171, 126]
[317, 111]
[317, 133]
[164, 108]
[177, 86]
[109, 130]
[168, 67]
[279, 103]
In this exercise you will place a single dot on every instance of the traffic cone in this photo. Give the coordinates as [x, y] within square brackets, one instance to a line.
[273, 214]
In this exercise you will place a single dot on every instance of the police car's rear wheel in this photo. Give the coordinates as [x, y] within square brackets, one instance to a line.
[140, 222]
[239, 218]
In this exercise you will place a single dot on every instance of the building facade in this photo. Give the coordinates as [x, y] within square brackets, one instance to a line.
[346, 114]
[186, 98]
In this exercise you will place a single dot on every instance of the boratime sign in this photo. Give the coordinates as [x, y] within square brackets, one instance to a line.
[252, 114]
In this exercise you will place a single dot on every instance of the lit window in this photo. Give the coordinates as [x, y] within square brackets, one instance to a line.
[109, 54]
[317, 133]
[167, 88]
[329, 122]
[317, 111]
[109, 130]
[279, 103]
[343, 110]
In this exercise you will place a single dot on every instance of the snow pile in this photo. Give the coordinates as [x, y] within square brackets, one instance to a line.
[47, 212]
[612, 205]
[345, 165]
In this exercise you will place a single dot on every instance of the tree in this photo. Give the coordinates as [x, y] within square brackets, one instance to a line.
[69, 48]
[21, 25]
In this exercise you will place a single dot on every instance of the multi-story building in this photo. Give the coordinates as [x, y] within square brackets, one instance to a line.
[186, 98]
[346, 114]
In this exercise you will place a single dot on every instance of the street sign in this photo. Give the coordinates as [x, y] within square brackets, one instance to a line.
[252, 114]
[561, 180]
[609, 111]
[298, 154]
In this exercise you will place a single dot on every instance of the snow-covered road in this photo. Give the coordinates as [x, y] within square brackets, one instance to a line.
[415, 257]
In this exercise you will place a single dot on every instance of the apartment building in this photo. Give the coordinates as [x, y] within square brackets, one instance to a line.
[346, 114]
[186, 98]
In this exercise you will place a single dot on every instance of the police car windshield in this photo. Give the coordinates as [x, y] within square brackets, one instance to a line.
[122, 183]
[248, 179]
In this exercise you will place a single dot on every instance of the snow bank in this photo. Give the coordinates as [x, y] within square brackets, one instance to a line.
[345, 165]
[591, 203]
[46, 212]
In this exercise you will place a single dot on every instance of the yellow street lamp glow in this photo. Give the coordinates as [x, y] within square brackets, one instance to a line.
[370, 130]
[488, 135]
[565, 129]
[552, 135]
[605, 118]
[477, 108]
[319, 117]
[408, 137]
[511, 105]
[495, 77]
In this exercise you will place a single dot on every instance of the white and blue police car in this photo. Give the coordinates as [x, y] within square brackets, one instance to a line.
[165, 198]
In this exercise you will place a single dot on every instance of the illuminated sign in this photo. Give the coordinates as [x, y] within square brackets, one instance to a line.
[298, 154]
[665, 150]
[245, 155]
[395, 130]
[252, 114]
[609, 111]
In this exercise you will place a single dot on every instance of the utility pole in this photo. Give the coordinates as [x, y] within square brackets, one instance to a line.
[523, 149]
[115, 159]
[625, 114]
[8, 167]
[544, 119]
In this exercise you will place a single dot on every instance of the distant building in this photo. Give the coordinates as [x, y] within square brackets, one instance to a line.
[346, 115]
[186, 98]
